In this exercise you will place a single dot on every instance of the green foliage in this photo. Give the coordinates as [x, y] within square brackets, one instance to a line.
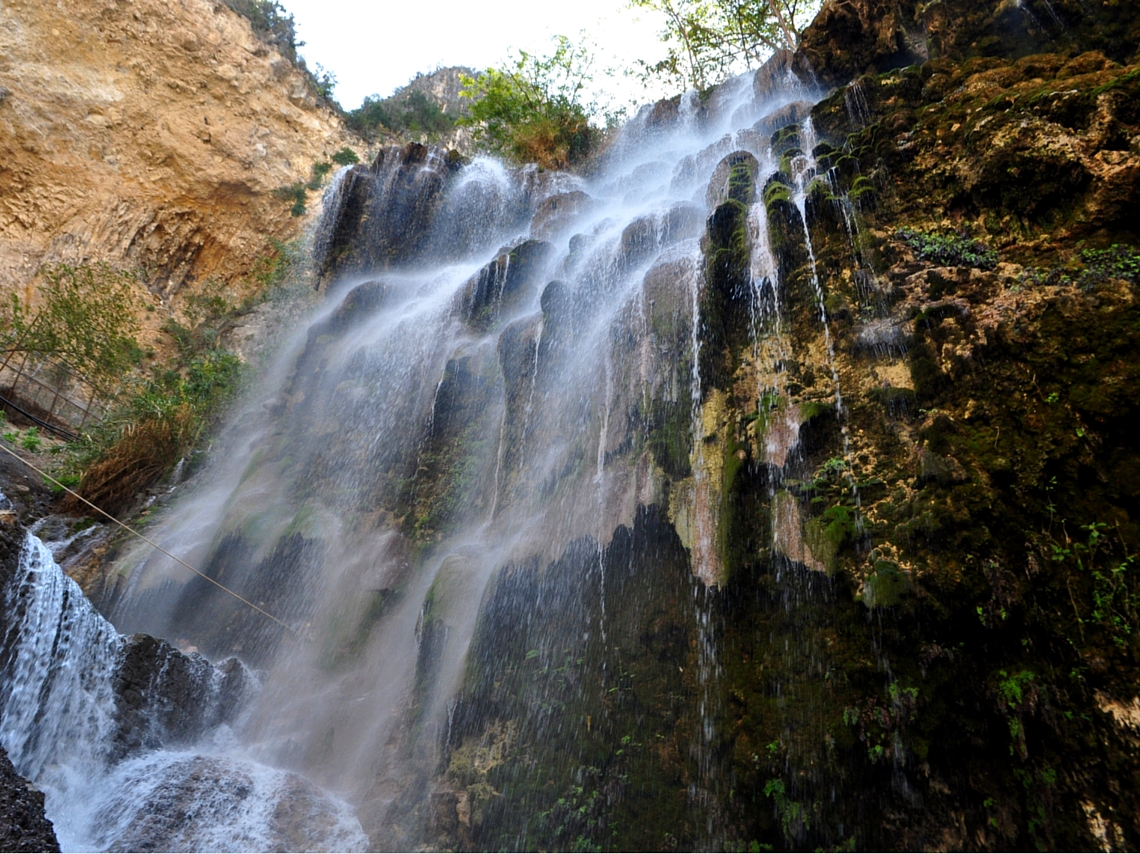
[324, 81]
[793, 814]
[345, 157]
[85, 316]
[295, 193]
[532, 111]
[1012, 688]
[207, 315]
[709, 40]
[949, 250]
[1091, 268]
[407, 113]
[271, 271]
[298, 193]
[1112, 600]
[31, 440]
[150, 430]
[158, 419]
[1117, 262]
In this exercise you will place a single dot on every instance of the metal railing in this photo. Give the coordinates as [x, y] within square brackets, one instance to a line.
[48, 392]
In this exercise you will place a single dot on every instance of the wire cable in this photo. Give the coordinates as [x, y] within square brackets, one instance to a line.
[149, 541]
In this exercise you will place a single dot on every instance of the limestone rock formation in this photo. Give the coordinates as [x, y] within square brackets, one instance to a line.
[852, 37]
[150, 135]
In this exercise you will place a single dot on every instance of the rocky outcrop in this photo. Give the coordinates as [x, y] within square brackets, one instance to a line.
[160, 696]
[165, 697]
[922, 536]
[853, 37]
[380, 214]
[23, 825]
[149, 135]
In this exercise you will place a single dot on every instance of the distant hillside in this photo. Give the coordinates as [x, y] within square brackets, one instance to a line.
[427, 109]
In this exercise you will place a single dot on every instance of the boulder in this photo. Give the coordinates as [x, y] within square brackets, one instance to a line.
[23, 825]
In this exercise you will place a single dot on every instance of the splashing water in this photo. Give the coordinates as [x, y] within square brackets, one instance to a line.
[62, 723]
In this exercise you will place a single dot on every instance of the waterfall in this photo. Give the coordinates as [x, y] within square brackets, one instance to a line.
[74, 720]
[491, 482]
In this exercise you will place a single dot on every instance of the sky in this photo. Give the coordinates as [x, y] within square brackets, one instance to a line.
[374, 47]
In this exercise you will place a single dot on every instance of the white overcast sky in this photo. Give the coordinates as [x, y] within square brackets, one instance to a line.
[374, 47]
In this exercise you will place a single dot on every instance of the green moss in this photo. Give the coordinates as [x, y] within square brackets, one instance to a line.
[728, 538]
[742, 181]
[812, 409]
[787, 158]
[669, 436]
[777, 192]
[886, 586]
[829, 532]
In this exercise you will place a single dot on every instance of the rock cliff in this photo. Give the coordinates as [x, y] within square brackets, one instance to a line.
[151, 135]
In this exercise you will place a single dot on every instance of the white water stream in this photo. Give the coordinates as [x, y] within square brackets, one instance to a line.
[58, 723]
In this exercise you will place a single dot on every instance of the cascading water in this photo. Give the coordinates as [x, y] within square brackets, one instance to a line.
[492, 483]
[73, 720]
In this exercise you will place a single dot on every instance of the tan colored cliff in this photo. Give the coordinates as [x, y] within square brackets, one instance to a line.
[150, 134]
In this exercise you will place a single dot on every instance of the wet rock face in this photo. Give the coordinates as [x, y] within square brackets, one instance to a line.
[502, 283]
[23, 825]
[980, 407]
[246, 806]
[166, 698]
[382, 213]
[163, 697]
[853, 37]
[641, 588]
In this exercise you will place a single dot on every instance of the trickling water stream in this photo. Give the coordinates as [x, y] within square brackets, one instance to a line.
[504, 434]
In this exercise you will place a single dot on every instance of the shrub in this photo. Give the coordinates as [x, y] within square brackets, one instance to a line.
[150, 430]
[532, 111]
[31, 440]
[271, 23]
[1099, 266]
[1116, 262]
[157, 420]
[85, 316]
[949, 250]
[405, 112]
[297, 193]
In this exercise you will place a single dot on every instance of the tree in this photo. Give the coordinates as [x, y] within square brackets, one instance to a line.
[85, 317]
[532, 110]
[709, 40]
[407, 111]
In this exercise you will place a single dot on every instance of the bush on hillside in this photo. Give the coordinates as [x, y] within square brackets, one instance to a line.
[531, 111]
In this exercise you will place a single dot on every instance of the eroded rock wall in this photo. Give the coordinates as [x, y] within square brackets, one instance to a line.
[151, 135]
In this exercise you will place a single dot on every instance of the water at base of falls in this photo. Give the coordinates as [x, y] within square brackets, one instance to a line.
[62, 723]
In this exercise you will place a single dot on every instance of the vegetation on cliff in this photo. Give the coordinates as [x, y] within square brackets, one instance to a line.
[708, 41]
[533, 110]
